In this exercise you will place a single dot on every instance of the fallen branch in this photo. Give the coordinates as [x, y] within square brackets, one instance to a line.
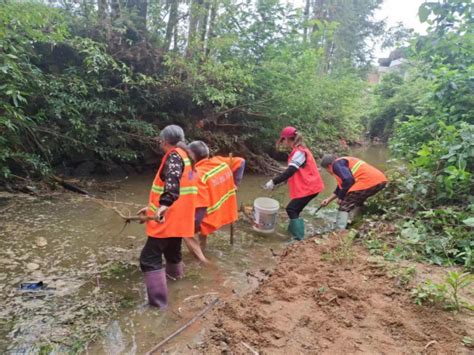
[71, 187]
[183, 328]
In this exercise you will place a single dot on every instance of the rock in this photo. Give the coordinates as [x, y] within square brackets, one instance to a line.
[41, 242]
[32, 266]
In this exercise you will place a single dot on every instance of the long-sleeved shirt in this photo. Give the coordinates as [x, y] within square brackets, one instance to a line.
[297, 161]
[171, 175]
[341, 169]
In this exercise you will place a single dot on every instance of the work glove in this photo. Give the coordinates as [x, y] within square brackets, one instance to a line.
[160, 214]
[269, 185]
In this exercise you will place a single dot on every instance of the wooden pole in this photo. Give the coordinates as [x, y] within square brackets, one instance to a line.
[232, 224]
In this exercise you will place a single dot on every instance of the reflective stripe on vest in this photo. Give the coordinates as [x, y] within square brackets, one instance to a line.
[221, 201]
[213, 172]
[182, 190]
[357, 166]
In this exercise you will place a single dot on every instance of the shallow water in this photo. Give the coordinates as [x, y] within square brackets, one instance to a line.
[76, 247]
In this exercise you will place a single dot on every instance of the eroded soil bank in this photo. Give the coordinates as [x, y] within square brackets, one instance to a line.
[331, 297]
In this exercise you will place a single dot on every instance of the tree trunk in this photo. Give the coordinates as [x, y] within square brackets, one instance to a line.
[306, 19]
[139, 8]
[212, 22]
[172, 23]
[194, 11]
[115, 9]
[102, 12]
[203, 23]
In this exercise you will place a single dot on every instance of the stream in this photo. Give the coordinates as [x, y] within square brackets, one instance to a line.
[89, 266]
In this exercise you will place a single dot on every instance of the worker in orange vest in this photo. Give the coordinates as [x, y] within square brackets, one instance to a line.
[303, 178]
[169, 216]
[218, 178]
[356, 181]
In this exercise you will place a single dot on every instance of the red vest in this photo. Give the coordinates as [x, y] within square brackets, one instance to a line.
[217, 193]
[365, 175]
[306, 181]
[179, 218]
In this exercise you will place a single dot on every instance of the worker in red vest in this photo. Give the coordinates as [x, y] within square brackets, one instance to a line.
[218, 178]
[356, 181]
[303, 178]
[169, 216]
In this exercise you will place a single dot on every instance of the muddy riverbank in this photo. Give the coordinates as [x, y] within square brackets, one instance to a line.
[327, 296]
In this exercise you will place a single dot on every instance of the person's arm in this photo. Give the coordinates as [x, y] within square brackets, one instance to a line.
[239, 173]
[298, 161]
[341, 169]
[171, 175]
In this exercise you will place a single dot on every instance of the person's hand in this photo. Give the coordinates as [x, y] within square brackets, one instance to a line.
[339, 201]
[325, 202]
[160, 214]
[142, 214]
[269, 185]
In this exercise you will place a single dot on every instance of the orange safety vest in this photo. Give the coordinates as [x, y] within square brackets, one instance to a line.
[234, 163]
[179, 218]
[365, 175]
[217, 193]
[306, 181]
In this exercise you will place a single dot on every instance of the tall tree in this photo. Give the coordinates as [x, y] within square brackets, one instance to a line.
[171, 26]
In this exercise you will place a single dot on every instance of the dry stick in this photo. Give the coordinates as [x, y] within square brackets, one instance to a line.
[252, 350]
[184, 327]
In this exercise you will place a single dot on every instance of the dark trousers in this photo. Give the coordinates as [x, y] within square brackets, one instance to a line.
[151, 255]
[296, 205]
[357, 198]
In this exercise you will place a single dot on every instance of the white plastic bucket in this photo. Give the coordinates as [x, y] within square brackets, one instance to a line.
[265, 213]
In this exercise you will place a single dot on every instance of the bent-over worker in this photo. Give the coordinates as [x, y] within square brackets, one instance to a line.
[303, 178]
[218, 178]
[170, 216]
[356, 181]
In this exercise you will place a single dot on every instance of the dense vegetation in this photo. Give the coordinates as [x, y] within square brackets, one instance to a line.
[93, 82]
[429, 115]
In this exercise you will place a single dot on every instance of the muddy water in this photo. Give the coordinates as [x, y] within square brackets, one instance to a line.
[94, 289]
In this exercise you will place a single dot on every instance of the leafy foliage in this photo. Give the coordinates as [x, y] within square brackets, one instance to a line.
[430, 113]
[93, 82]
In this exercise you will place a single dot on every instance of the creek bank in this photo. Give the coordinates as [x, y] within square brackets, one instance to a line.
[332, 297]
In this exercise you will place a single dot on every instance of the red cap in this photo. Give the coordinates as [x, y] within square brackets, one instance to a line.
[288, 132]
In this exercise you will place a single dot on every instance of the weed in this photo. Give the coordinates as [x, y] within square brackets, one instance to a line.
[446, 293]
[344, 251]
[402, 275]
[127, 301]
[457, 282]
[429, 292]
[115, 270]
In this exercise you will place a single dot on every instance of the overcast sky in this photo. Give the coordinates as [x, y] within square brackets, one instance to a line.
[394, 11]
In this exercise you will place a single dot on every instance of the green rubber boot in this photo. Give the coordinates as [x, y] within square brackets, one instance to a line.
[296, 228]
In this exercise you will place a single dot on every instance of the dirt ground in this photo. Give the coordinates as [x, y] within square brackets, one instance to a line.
[327, 297]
